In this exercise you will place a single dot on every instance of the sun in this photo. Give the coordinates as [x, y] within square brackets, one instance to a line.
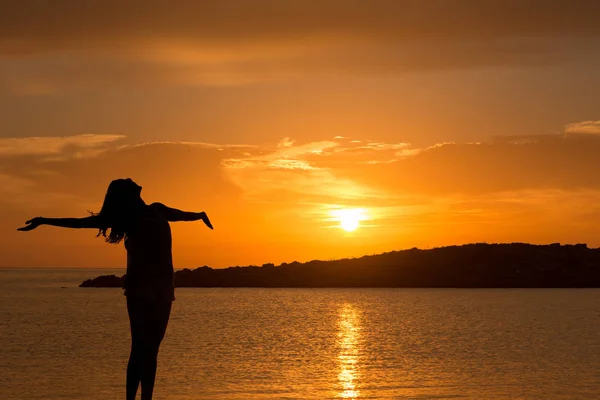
[349, 223]
[349, 218]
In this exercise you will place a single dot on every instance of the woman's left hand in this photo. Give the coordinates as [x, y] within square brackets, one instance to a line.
[205, 219]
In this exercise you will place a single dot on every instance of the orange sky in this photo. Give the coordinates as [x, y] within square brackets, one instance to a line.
[444, 122]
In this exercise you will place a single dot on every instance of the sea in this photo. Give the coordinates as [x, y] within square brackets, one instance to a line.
[59, 341]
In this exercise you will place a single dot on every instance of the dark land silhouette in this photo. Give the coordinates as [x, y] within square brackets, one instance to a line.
[480, 265]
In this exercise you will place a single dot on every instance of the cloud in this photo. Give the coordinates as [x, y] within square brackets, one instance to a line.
[407, 151]
[65, 24]
[61, 47]
[201, 65]
[49, 172]
[63, 148]
[357, 146]
[291, 164]
[381, 173]
[312, 155]
[583, 127]
[565, 162]
[344, 169]
[286, 142]
[78, 146]
[288, 171]
[205, 145]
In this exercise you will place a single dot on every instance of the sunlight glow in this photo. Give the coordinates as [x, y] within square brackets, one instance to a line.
[349, 218]
[348, 335]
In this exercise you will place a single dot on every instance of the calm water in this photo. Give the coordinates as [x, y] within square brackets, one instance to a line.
[73, 343]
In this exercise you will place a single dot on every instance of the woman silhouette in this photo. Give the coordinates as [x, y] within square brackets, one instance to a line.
[149, 280]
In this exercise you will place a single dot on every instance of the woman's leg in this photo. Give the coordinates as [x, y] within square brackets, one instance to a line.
[156, 318]
[134, 366]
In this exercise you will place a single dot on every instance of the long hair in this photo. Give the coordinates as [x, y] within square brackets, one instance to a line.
[120, 209]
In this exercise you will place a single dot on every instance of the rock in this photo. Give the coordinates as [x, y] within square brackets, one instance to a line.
[104, 281]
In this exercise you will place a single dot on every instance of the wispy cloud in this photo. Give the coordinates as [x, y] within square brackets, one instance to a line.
[317, 171]
[78, 145]
[286, 142]
[559, 161]
[366, 146]
[206, 145]
[288, 168]
[584, 127]
[291, 164]
[411, 152]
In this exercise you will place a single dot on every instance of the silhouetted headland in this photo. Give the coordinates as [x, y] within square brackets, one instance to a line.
[481, 265]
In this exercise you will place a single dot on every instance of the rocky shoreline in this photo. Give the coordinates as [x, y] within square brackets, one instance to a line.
[481, 265]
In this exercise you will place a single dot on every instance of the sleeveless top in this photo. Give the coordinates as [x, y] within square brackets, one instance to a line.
[149, 258]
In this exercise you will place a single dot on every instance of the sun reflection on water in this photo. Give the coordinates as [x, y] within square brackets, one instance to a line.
[348, 338]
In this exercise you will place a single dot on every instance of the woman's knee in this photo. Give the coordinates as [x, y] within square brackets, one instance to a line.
[147, 347]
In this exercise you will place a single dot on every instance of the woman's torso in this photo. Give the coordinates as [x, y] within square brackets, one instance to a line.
[149, 257]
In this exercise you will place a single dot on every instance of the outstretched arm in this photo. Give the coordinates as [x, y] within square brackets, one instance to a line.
[173, 214]
[76, 223]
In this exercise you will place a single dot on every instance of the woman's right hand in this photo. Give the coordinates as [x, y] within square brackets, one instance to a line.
[31, 224]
